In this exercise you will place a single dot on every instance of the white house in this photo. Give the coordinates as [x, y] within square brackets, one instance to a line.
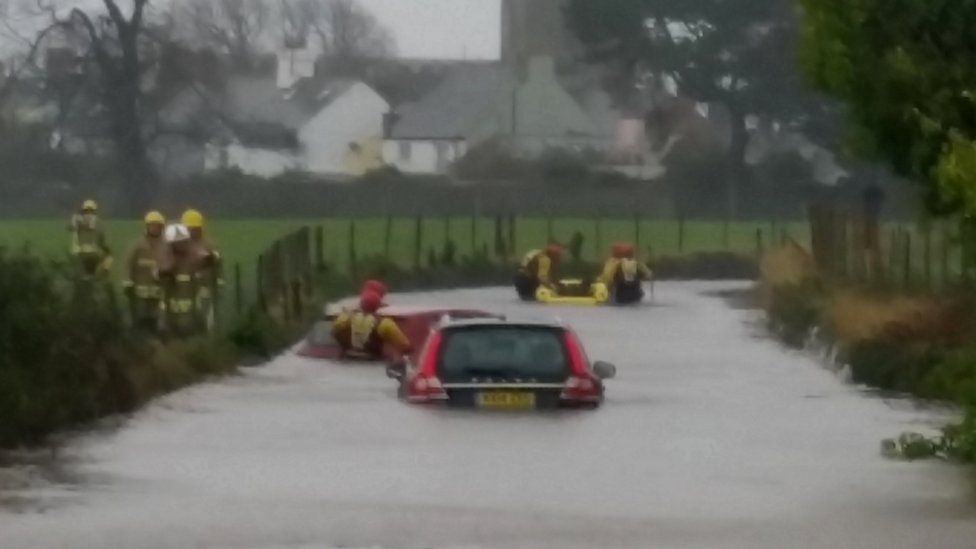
[328, 127]
[530, 113]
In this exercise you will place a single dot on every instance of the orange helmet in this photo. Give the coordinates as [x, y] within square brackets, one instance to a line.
[376, 287]
[370, 302]
[554, 251]
[619, 251]
[628, 251]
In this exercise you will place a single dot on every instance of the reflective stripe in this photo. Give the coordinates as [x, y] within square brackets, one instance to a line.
[149, 263]
[362, 327]
[629, 270]
[184, 278]
[181, 306]
[148, 292]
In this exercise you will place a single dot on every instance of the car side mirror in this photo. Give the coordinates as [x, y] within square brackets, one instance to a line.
[397, 371]
[604, 370]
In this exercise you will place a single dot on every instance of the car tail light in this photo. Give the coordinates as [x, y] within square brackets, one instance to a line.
[424, 386]
[581, 385]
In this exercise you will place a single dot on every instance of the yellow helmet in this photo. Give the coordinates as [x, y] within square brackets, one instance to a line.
[193, 219]
[89, 206]
[154, 218]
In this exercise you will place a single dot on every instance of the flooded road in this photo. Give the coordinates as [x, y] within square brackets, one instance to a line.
[711, 437]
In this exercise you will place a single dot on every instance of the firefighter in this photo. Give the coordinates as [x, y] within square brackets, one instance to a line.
[88, 243]
[377, 287]
[210, 275]
[180, 285]
[364, 334]
[142, 274]
[538, 269]
[623, 274]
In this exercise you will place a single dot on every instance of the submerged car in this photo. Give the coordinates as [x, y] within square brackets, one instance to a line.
[416, 323]
[503, 365]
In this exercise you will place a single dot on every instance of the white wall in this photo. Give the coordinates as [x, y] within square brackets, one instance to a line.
[355, 117]
[259, 162]
[423, 156]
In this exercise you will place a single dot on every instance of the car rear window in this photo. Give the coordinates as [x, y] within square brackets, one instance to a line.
[523, 353]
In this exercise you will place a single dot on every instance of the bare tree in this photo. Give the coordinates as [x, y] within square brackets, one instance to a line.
[230, 27]
[117, 52]
[345, 30]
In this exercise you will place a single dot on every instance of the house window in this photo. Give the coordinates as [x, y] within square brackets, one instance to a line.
[406, 151]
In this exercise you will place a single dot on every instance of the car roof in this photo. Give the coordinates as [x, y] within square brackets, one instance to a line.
[493, 322]
[415, 310]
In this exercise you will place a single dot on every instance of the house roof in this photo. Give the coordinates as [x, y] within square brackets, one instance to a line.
[259, 100]
[456, 106]
[254, 109]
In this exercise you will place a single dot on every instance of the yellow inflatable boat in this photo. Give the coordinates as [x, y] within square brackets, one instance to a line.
[574, 292]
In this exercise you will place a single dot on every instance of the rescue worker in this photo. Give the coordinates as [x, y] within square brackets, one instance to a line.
[623, 274]
[377, 287]
[210, 275]
[142, 274]
[88, 243]
[364, 333]
[180, 285]
[537, 269]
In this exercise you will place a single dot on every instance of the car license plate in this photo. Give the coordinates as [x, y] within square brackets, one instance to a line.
[506, 400]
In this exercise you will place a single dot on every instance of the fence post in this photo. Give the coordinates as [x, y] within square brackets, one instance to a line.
[388, 236]
[637, 231]
[262, 302]
[908, 258]
[474, 235]
[946, 250]
[353, 259]
[927, 256]
[598, 238]
[512, 236]
[681, 234]
[418, 241]
[759, 242]
[238, 291]
[319, 249]
[725, 232]
[893, 255]
[499, 238]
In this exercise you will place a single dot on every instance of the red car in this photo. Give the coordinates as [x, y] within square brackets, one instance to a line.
[415, 322]
[498, 364]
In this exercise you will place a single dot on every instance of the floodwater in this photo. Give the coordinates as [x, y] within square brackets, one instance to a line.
[712, 436]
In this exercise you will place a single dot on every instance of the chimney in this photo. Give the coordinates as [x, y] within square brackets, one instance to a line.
[294, 64]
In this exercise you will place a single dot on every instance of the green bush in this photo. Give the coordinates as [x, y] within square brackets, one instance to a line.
[794, 310]
[66, 358]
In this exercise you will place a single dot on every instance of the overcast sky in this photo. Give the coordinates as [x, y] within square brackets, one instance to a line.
[422, 28]
[442, 28]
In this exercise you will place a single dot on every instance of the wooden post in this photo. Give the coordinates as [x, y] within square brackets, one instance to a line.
[474, 235]
[598, 238]
[418, 241]
[927, 256]
[908, 258]
[946, 250]
[319, 249]
[681, 234]
[759, 243]
[238, 291]
[893, 255]
[725, 233]
[353, 259]
[262, 302]
[447, 230]
[512, 236]
[388, 236]
[637, 232]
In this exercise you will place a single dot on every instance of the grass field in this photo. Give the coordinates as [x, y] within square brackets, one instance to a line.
[241, 241]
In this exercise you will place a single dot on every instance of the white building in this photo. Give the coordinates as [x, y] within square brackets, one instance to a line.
[478, 103]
